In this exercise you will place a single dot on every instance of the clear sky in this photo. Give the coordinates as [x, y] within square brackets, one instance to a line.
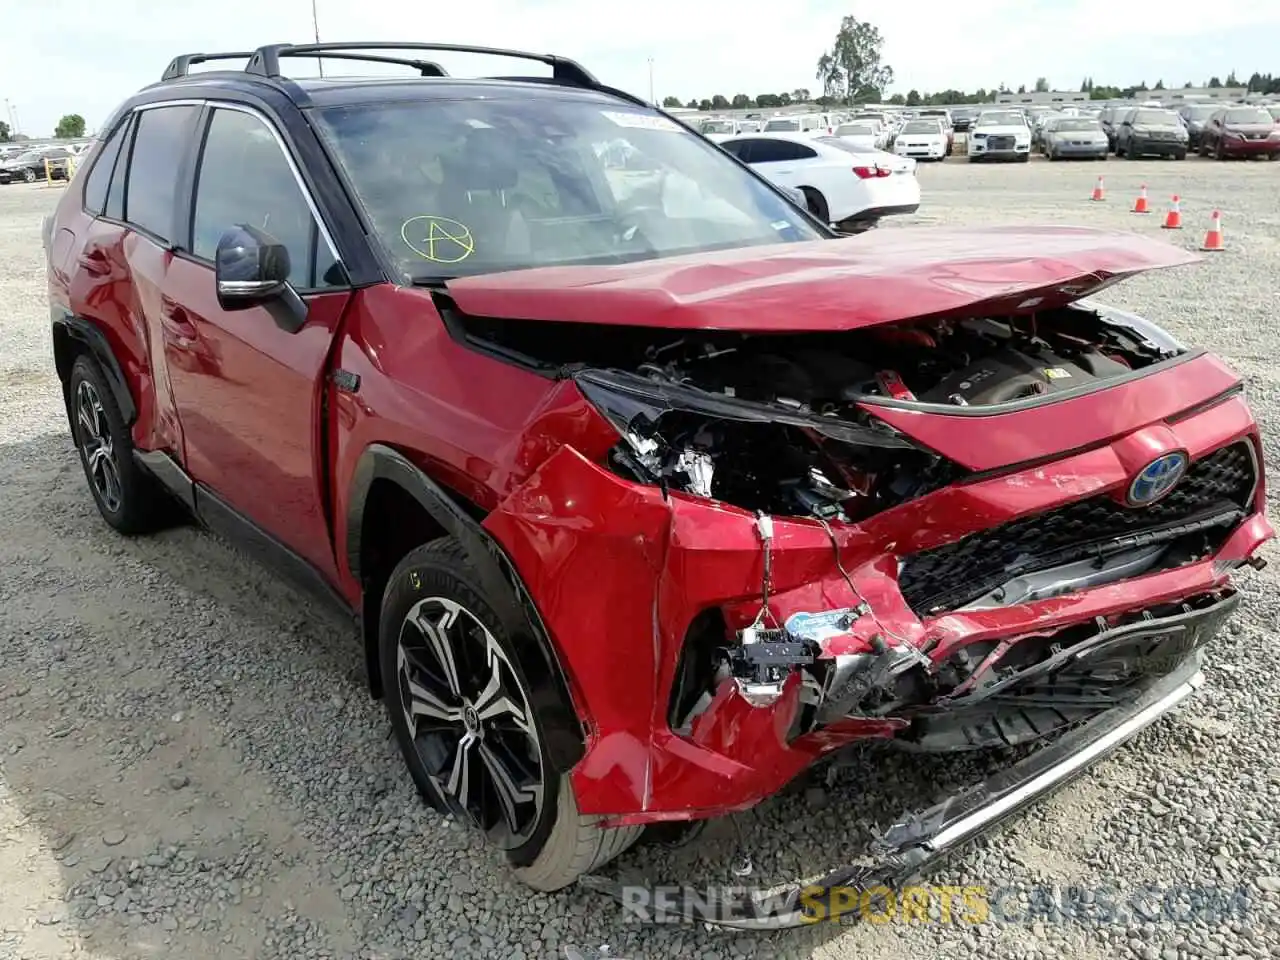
[84, 56]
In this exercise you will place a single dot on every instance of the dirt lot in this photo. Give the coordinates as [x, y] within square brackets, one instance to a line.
[190, 765]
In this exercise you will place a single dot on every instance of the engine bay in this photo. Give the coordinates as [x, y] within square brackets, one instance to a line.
[752, 420]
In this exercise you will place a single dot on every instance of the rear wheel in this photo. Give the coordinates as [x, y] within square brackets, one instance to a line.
[816, 203]
[460, 707]
[29, 175]
[1218, 152]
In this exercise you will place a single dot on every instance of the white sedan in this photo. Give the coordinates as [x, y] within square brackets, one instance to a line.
[1000, 134]
[924, 139]
[849, 188]
[865, 135]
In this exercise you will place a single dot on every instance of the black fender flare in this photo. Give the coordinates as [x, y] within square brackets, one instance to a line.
[68, 329]
[549, 688]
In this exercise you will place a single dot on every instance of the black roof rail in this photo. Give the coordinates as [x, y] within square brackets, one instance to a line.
[266, 60]
[180, 66]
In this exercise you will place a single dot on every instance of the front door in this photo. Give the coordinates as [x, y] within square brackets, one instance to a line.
[249, 393]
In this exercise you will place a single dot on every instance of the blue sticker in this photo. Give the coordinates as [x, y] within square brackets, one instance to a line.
[821, 626]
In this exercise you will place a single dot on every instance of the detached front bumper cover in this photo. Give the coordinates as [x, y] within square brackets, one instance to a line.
[922, 840]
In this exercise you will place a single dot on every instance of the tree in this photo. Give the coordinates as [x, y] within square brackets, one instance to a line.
[1188, 85]
[69, 127]
[692, 104]
[913, 98]
[1231, 80]
[897, 100]
[704, 104]
[800, 95]
[852, 68]
[718, 102]
[671, 101]
[5, 136]
[1086, 85]
[1042, 85]
[768, 100]
[785, 99]
[1022, 88]
[741, 101]
[1214, 83]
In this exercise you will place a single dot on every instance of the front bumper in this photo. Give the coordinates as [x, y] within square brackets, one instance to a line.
[922, 840]
[979, 149]
[657, 561]
[1079, 149]
[1250, 148]
[1156, 148]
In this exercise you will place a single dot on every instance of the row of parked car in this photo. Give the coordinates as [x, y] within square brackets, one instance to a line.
[22, 163]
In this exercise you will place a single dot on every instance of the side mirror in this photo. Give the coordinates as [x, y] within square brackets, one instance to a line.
[250, 266]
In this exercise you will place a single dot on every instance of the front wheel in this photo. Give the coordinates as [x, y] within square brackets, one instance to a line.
[29, 175]
[460, 708]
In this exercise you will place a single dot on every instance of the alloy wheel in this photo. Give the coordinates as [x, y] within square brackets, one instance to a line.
[97, 447]
[470, 721]
[29, 175]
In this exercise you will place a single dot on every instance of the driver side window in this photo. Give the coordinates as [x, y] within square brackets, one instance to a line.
[244, 177]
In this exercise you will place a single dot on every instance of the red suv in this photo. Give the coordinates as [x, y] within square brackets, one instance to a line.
[647, 490]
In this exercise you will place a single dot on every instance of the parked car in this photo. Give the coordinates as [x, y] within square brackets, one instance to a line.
[862, 134]
[936, 113]
[1074, 137]
[1111, 118]
[33, 165]
[923, 139]
[799, 123]
[643, 508]
[1194, 117]
[962, 118]
[1000, 134]
[852, 190]
[1147, 131]
[1240, 132]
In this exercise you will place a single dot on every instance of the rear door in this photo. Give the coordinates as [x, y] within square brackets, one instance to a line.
[250, 393]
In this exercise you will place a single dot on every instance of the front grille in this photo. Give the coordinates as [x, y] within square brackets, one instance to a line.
[1215, 490]
[1000, 143]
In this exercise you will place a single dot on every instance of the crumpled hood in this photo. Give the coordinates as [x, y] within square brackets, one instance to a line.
[883, 276]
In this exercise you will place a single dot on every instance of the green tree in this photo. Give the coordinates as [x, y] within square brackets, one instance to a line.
[852, 69]
[1214, 82]
[1231, 80]
[69, 127]
[741, 101]
[692, 104]
[768, 100]
[5, 135]
[1159, 85]
[718, 102]
[898, 100]
[784, 99]
[1042, 85]
[671, 101]
[704, 104]
[800, 95]
[913, 98]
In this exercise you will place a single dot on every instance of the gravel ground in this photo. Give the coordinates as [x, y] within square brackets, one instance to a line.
[190, 765]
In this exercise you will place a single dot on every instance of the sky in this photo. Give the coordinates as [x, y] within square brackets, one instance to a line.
[85, 56]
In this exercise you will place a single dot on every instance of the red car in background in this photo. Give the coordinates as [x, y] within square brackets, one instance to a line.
[1241, 132]
[647, 490]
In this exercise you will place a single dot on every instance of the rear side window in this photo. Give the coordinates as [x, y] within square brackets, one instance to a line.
[779, 151]
[245, 178]
[159, 146]
[99, 179]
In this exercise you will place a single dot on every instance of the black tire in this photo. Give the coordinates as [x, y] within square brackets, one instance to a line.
[474, 735]
[817, 204]
[29, 175]
[1218, 152]
[1025, 158]
[1180, 155]
[128, 498]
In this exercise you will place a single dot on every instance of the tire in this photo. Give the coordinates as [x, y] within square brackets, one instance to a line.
[1180, 155]
[473, 679]
[1218, 152]
[1025, 158]
[29, 175]
[817, 204]
[128, 498]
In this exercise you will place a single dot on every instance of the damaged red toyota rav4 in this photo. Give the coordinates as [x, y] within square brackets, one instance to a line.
[648, 490]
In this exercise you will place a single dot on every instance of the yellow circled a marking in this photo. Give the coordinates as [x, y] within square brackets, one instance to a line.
[438, 239]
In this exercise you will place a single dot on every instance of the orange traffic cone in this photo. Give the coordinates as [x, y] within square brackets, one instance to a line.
[1173, 219]
[1098, 192]
[1140, 205]
[1213, 239]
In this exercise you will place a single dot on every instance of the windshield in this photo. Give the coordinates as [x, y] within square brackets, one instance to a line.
[1200, 113]
[717, 126]
[1274, 110]
[461, 187]
[1001, 118]
[921, 126]
[855, 130]
[782, 125]
[1153, 118]
[1071, 125]
[1248, 115]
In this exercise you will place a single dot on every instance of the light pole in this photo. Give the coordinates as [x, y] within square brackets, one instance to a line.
[651, 100]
